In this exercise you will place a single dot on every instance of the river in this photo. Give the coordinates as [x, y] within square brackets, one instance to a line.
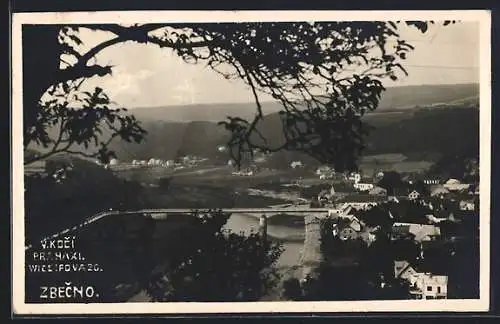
[292, 237]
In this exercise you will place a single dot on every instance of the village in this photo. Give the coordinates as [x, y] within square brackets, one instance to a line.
[424, 218]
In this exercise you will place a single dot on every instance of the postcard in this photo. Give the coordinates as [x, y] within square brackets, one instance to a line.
[182, 162]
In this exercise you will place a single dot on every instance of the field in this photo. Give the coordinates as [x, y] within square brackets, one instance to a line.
[213, 186]
[392, 162]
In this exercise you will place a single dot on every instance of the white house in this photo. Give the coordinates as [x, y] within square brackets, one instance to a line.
[414, 195]
[466, 205]
[440, 192]
[432, 181]
[422, 285]
[363, 186]
[361, 205]
[113, 162]
[355, 177]
[434, 220]
[260, 159]
[296, 164]
[340, 211]
[323, 169]
[393, 199]
[455, 185]
[431, 286]
[421, 232]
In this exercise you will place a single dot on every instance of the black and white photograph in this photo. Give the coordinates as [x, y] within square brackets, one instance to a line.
[246, 161]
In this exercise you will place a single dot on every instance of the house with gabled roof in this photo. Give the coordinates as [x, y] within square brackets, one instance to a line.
[402, 232]
[363, 186]
[378, 191]
[420, 232]
[435, 220]
[414, 195]
[467, 204]
[361, 202]
[455, 185]
[354, 177]
[393, 199]
[440, 192]
[348, 227]
[422, 285]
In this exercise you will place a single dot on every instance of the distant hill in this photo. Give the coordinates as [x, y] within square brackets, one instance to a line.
[448, 131]
[450, 125]
[428, 95]
[394, 98]
[442, 131]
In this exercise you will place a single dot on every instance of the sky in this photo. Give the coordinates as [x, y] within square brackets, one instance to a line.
[147, 76]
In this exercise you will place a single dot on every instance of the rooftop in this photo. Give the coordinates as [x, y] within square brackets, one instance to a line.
[359, 198]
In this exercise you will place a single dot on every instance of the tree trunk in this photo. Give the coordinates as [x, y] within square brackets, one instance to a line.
[41, 62]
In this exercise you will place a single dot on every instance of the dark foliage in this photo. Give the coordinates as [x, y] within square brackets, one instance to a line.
[292, 290]
[86, 189]
[376, 216]
[449, 131]
[420, 187]
[461, 166]
[393, 183]
[407, 211]
[164, 183]
[218, 266]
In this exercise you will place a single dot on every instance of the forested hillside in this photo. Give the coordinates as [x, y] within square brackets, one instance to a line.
[440, 130]
[445, 122]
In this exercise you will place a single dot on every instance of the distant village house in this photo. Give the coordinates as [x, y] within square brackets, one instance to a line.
[455, 185]
[467, 205]
[419, 232]
[363, 186]
[296, 164]
[378, 191]
[348, 229]
[414, 195]
[354, 177]
[422, 285]
[440, 192]
[432, 181]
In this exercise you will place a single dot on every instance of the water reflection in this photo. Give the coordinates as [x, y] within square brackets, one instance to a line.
[292, 237]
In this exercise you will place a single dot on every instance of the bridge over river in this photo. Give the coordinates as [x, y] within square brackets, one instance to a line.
[310, 255]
